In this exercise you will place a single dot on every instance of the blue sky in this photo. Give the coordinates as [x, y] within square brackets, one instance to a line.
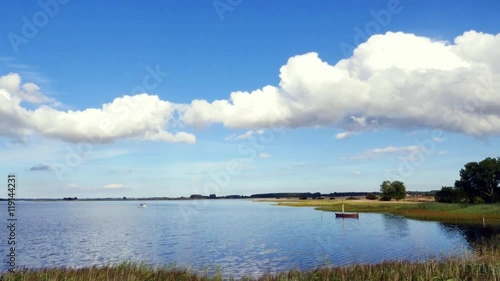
[297, 95]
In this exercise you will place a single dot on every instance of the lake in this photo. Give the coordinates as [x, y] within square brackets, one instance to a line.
[240, 236]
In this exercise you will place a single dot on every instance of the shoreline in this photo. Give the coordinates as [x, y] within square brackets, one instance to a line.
[415, 208]
[484, 264]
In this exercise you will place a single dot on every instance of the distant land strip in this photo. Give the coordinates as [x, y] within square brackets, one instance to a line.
[302, 195]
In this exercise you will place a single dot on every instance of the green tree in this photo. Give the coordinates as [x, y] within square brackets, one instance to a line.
[399, 190]
[480, 181]
[449, 194]
[392, 190]
[386, 191]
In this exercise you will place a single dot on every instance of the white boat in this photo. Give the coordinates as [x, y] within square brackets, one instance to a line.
[142, 205]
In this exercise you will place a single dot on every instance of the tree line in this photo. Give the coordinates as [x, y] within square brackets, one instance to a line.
[479, 183]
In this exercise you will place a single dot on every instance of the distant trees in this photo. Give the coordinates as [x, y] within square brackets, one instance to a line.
[479, 182]
[448, 194]
[371, 196]
[392, 190]
[287, 195]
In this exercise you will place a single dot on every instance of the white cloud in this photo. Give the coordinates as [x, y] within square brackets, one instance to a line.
[345, 135]
[114, 186]
[394, 80]
[143, 117]
[72, 185]
[27, 92]
[378, 152]
[230, 137]
[243, 110]
[438, 139]
[247, 135]
[264, 155]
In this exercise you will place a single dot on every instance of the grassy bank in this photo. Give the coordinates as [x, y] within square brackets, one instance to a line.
[411, 209]
[484, 265]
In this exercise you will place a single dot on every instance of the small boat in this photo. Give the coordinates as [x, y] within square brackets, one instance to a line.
[142, 205]
[346, 215]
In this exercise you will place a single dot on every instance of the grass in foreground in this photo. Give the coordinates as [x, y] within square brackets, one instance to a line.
[484, 266]
[417, 210]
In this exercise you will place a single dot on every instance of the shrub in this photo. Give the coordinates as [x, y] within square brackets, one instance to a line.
[371, 196]
[449, 195]
[477, 200]
[385, 198]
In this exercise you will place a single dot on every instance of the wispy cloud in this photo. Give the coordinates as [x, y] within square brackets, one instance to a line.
[264, 155]
[40, 167]
[378, 152]
[28, 72]
[247, 135]
[345, 135]
[105, 154]
[121, 171]
[114, 186]
[438, 139]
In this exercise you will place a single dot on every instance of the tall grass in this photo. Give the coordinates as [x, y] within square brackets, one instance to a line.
[483, 266]
[125, 271]
[417, 210]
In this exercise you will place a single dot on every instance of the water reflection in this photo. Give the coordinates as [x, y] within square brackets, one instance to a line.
[396, 226]
[240, 236]
[472, 233]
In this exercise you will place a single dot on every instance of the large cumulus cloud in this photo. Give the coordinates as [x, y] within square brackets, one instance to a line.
[394, 80]
[143, 117]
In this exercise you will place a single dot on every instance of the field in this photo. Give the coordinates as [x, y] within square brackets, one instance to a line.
[484, 265]
[422, 208]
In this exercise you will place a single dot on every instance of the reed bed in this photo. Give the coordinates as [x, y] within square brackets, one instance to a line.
[483, 265]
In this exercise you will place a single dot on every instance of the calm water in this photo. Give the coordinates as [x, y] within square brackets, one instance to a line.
[240, 236]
